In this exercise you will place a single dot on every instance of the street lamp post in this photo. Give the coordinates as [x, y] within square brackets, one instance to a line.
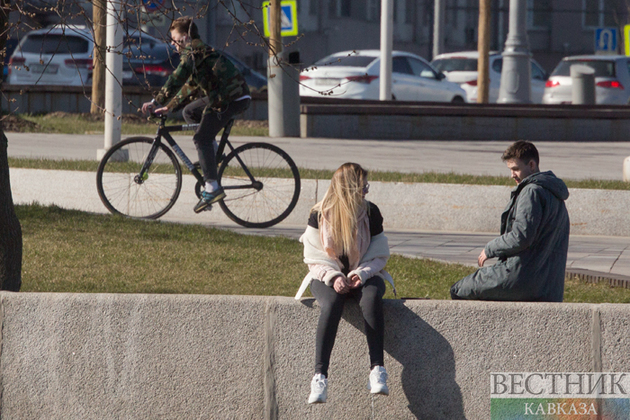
[516, 73]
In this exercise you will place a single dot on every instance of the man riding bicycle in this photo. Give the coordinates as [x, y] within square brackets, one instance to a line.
[204, 72]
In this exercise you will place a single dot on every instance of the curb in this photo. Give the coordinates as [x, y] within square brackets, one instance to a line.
[588, 276]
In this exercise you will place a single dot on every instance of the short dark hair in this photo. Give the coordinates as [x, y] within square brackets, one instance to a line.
[185, 25]
[522, 150]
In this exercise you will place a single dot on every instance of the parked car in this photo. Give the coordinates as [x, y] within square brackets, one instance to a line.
[61, 55]
[147, 61]
[355, 75]
[612, 79]
[256, 81]
[9, 48]
[461, 67]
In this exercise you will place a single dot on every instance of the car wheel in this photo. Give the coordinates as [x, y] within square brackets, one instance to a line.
[458, 100]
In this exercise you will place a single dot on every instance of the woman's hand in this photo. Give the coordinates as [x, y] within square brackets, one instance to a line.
[354, 281]
[340, 285]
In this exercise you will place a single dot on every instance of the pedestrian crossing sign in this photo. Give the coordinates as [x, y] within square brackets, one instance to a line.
[288, 17]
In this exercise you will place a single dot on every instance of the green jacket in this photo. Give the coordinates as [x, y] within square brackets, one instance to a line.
[202, 70]
[532, 248]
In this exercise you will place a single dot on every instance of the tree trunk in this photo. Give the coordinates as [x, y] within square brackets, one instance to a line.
[483, 46]
[99, 18]
[10, 229]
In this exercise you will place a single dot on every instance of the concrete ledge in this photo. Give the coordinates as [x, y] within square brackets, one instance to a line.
[96, 356]
[431, 121]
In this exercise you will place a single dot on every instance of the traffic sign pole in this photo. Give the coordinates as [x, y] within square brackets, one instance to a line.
[283, 94]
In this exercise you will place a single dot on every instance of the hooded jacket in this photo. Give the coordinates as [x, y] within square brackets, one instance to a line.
[532, 248]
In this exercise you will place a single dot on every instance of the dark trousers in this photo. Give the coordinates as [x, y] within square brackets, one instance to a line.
[210, 123]
[370, 298]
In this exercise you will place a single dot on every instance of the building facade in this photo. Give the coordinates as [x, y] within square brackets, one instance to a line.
[556, 28]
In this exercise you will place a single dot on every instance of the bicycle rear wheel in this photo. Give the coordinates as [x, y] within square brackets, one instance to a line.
[123, 190]
[269, 195]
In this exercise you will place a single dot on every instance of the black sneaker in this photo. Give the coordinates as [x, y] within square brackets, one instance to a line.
[207, 198]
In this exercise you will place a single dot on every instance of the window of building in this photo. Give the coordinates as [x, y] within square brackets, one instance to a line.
[410, 11]
[428, 13]
[313, 7]
[538, 14]
[339, 8]
[373, 12]
[598, 13]
[450, 17]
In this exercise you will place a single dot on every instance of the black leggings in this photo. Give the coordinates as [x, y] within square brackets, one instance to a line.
[211, 123]
[370, 297]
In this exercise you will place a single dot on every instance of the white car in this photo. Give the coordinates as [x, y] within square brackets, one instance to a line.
[61, 55]
[355, 75]
[612, 79]
[461, 67]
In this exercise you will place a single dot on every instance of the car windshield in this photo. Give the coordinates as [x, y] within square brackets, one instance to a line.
[602, 68]
[455, 64]
[51, 44]
[349, 61]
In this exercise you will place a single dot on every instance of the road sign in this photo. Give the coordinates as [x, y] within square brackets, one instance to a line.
[288, 16]
[626, 38]
[606, 41]
[152, 5]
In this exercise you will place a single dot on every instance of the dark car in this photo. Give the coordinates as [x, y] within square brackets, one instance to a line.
[147, 61]
[256, 81]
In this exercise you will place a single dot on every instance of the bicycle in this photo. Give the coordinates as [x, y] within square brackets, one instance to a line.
[140, 177]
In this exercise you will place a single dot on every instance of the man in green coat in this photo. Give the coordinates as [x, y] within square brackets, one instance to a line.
[532, 249]
[204, 72]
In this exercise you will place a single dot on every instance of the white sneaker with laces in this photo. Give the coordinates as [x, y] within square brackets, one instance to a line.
[319, 389]
[378, 381]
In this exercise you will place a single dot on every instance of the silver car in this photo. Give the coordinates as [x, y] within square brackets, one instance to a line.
[461, 67]
[356, 75]
[61, 55]
[612, 79]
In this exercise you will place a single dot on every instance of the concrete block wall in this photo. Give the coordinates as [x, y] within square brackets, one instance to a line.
[104, 356]
[433, 121]
[76, 99]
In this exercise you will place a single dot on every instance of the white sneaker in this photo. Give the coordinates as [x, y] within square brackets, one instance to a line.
[378, 381]
[319, 389]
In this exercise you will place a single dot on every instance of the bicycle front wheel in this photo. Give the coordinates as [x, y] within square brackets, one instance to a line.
[125, 188]
[261, 183]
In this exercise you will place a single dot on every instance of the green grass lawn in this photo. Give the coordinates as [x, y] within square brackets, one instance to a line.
[66, 123]
[428, 177]
[72, 251]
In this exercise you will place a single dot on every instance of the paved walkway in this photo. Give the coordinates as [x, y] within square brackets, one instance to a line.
[594, 256]
[600, 256]
[567, 160]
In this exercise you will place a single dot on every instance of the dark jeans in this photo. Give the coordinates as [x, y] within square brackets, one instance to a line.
[211, 123]
[370, 298]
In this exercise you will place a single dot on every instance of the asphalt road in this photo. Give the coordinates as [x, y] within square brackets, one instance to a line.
[567, 160]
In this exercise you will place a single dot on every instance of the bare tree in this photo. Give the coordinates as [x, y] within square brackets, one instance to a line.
[10, 229]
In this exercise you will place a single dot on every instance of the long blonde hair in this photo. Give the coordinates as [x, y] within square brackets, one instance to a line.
[342, 204]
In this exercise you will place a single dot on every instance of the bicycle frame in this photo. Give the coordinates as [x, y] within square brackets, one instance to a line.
[164, 132]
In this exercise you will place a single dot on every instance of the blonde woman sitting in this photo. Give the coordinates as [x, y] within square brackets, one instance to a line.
[346, 251]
